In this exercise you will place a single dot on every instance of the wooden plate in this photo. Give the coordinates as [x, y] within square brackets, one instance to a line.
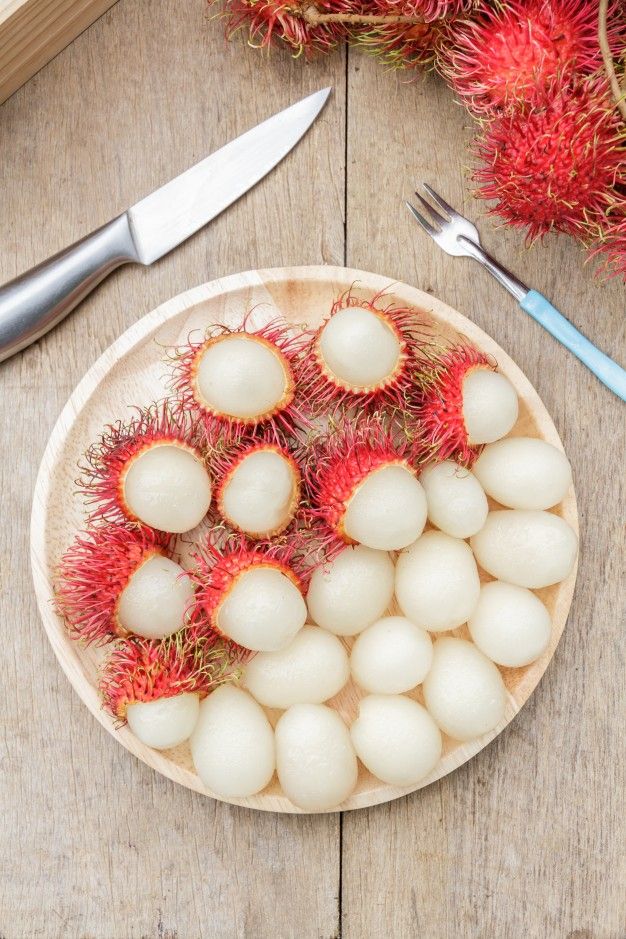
[131, 371]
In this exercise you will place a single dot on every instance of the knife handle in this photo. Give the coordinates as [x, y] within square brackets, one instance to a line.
[36, 301]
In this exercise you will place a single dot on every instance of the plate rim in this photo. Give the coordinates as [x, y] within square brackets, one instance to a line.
[80, 398]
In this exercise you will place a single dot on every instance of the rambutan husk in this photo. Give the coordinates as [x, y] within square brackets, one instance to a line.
[108, 460]
[341, 460]
[440, 431]
[218, 562]
[226, 456]
[140, 669]
[287, 343]
[94, 571]
[607, 244]
[509, 52]
[326, 393]
[556, 164]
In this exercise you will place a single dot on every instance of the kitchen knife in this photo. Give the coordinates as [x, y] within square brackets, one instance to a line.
[36, 301]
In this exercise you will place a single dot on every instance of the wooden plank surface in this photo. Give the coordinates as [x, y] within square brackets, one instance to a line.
[523, 841]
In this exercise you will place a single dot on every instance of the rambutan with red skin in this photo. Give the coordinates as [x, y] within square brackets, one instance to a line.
[344, 461]
[297, 24]
[94, 571]
[258, 484]
[238, 380]
[142, 670]
[364, 354]
[110, 461]
[555, 164]
[510, 51]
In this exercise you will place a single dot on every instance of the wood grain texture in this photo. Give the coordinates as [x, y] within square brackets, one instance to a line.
[132, 369]
[33, 31]
[526, 840]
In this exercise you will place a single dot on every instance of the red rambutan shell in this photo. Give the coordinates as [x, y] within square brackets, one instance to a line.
[510, 51]
[554, 165]
[286, 21]
[326, 392]
[147, 669]
[287, 344]
[341, 461]
[440, 416]
[217, 567]
[94, 571]
[109, 459]
[226, 460]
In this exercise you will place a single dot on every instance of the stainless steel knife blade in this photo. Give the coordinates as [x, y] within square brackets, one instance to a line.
[179, 208]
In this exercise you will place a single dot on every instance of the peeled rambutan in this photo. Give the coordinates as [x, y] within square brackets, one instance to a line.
[257, 484]
[510, 51]
[553, 165]
[157, 685]
[94, 574]
[364, 353]
[362, 485]
[465, 403]
[239, 379]
[148, 470]
[250, 593]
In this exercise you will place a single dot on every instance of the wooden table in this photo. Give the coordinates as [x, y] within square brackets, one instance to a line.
[524, 841]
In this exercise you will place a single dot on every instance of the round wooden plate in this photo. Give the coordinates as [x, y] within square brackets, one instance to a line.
[131, 372]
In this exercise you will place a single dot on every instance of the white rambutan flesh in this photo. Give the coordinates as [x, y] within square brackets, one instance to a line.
[241, 377]
[260, 495]
[352, 591]
[396, 739]
[154, 601]
[391, 656]
[315, 759]
[168, 488]
[490, 405]
[232, 745]
[464, 691]
[310, 670]
[457, 504]
[263, 610]
[437, 584]
[387, 511]
[524, 473]
[165, 722]
[359, 348]
[510, 624]
[529, 548]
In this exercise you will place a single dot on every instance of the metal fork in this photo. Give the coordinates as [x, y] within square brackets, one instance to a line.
[459, 237]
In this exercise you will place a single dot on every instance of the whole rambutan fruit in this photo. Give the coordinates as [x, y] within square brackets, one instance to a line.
[297, 24]
[157, 685]
[510, 51]
[362, 485]
[465, 403]
[236, 380]
[257, 484]
[553, 165]
[251, 594]
[148, 470]
[364, 353]
[94, 574]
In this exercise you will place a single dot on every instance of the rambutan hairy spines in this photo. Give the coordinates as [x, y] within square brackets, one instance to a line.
[94, 571]
[108, 460]
[440, 428]
[141, 670]
[557, 164]
[363, 354]
[508, 52]
[237, 380]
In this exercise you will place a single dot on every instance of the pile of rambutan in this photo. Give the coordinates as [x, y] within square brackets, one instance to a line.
[209, 511]
[546, 80]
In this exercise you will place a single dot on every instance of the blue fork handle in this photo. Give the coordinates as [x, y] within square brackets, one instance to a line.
[609, 372]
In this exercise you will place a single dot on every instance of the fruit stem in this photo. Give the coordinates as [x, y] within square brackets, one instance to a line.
[313, 17]
[618, 93]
